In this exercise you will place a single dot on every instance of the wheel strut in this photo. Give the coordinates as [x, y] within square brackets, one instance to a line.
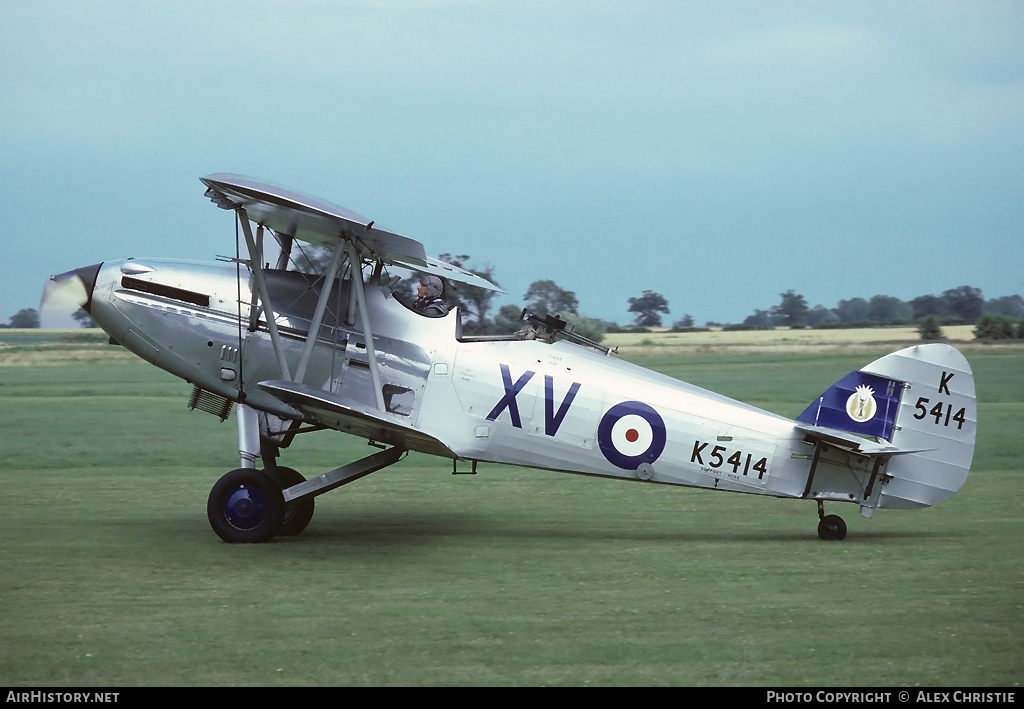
[344, 475]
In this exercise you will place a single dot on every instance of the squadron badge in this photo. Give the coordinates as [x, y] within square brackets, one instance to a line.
[861, 405]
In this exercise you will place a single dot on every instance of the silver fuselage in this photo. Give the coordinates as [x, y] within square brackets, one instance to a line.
[557, 406]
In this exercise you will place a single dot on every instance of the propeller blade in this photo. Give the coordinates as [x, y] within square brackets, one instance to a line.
[67, 292]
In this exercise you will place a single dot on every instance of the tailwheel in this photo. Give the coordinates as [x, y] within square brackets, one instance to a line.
[297, 513]
[245, 507]
[832, 528]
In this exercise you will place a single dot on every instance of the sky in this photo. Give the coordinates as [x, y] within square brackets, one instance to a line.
[717, 153]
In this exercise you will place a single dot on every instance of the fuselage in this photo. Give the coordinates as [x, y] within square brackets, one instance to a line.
[558, 406]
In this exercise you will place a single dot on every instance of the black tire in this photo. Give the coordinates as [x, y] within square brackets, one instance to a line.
[832, 528]
[298, 513]
[245, 507]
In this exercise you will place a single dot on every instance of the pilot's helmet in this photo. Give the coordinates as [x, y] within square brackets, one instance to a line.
[431, 285]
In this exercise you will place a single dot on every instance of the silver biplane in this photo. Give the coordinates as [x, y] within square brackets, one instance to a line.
[295, 353]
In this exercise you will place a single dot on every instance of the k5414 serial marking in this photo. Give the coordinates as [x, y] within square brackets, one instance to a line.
[736, 459]
[941, 411]
[938, 410]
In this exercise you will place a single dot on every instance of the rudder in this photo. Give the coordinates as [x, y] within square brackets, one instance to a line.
[937, 417]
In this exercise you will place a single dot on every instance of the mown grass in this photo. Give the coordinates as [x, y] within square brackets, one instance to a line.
[780, 337]
[412, 576]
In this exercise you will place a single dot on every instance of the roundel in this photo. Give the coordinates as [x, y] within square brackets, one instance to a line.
[631, 434]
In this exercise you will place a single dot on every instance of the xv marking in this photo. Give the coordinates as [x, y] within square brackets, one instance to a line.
[552, 418]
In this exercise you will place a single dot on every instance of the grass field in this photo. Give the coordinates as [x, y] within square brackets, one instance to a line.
[412, 576]
[781, 339]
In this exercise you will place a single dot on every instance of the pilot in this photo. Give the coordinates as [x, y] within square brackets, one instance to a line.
[429, 300]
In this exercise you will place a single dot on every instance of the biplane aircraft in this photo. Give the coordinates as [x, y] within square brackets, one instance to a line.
[296, 352]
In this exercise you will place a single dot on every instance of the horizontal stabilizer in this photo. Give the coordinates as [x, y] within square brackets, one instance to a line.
[854, 443]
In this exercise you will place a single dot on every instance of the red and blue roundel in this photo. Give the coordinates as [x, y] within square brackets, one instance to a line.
[631, 434]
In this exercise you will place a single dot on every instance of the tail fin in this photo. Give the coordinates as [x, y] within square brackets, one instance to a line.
[921, 401]
[860, 402]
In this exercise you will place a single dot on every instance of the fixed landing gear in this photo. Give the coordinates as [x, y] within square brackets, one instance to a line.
[830, 527]
[250, 506]
[247, 505]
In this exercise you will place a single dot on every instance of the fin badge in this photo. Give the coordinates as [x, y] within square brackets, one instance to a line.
[861, 405]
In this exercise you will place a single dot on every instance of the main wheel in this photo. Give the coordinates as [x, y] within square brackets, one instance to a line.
[832, 528]
[297, 513]
[245, 507]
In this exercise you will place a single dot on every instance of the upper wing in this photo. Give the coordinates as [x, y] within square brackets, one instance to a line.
[320, 222]
[446, 270]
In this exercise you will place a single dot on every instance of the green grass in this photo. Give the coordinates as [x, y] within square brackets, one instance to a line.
[779, 338]
[412, 576]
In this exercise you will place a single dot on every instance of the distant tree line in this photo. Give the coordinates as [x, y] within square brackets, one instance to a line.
[997, 318]
[999, 327]
[957, 306]
[28, 318]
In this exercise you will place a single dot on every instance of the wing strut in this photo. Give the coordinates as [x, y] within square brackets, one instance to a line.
[254, 300]
[318, 314]
[255, 263]
[285, 242]
[261, 286]
[364, 317]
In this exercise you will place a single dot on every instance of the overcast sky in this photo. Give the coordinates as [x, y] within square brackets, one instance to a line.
[717, 153]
